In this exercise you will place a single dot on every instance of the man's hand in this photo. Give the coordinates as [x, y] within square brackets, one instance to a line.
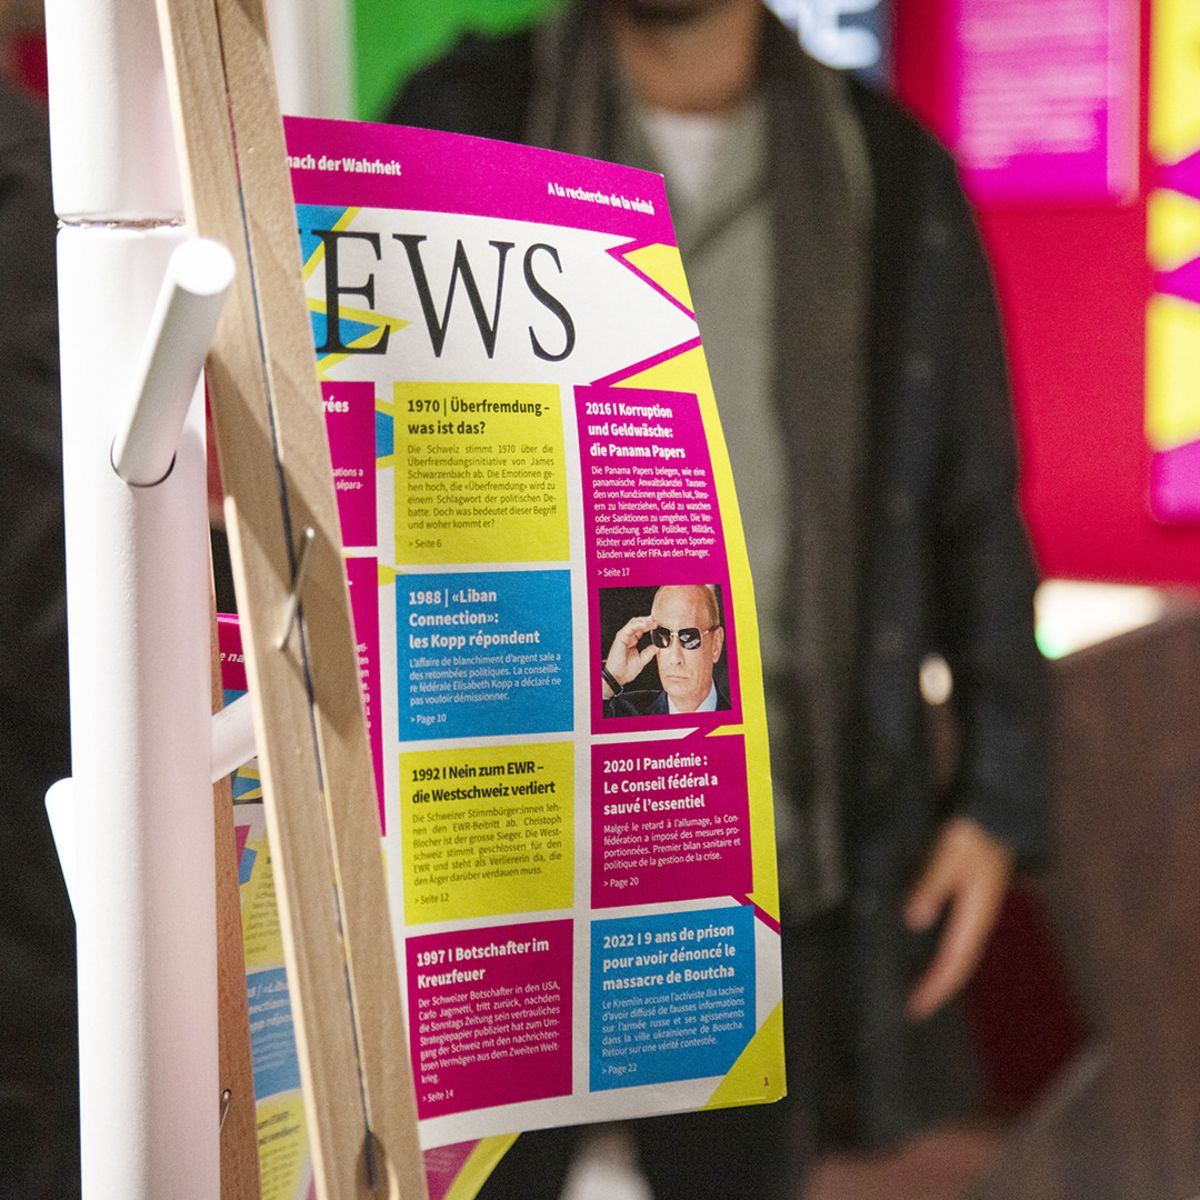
[625, 661]
[969, 871]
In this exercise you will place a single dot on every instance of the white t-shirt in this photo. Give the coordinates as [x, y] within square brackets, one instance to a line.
[689, 146]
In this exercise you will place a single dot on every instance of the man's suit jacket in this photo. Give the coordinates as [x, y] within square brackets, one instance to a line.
[648, 704]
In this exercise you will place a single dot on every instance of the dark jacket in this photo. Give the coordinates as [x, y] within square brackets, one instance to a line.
[943, 562]
[38, 1112]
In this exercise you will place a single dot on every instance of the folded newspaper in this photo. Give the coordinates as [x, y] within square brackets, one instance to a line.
[558, 648]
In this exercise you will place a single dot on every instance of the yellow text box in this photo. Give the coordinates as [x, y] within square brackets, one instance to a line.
[480, 473]
[260, 917]
[487, 830]
[283, 1161]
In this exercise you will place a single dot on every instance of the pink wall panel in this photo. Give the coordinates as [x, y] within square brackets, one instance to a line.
[1073, 283]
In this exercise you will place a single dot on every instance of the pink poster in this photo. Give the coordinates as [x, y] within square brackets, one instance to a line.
[1043, 98]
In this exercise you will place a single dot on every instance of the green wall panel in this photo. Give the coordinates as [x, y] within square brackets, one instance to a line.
[392, 38]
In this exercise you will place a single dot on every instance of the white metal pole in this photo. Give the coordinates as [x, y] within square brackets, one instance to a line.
[137, 593]
[185, 318]
[60, 808]
[312, 48]
[110, 128]
[233, 740]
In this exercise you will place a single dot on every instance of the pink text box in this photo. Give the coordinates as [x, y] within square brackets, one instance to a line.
[350, 422]
[362, 575]
[670, 821]
[491, 1016]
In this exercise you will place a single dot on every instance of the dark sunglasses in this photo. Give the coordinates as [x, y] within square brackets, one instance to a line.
[689, 638]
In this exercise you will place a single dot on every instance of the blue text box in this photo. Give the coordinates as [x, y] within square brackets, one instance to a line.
[673, 996]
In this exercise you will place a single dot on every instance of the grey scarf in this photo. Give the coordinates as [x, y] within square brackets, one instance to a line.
[821, 188]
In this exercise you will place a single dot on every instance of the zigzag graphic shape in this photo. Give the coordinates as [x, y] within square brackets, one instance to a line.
[1172, 387]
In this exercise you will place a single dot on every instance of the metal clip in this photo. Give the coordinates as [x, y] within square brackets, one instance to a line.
[226, 1098]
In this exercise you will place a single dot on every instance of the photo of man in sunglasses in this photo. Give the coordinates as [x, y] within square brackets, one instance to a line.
[683, 632]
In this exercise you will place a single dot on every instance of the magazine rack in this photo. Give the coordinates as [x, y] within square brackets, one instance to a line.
[163, 1114]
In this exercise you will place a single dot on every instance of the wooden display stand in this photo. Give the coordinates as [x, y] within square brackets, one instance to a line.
[301, 662]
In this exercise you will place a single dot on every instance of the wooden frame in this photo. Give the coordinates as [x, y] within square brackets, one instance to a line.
[313, 751]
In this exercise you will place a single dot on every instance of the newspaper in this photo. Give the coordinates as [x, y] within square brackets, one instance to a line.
[558, 646]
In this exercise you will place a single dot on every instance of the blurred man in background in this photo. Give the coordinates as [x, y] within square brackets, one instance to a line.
[854, 343]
